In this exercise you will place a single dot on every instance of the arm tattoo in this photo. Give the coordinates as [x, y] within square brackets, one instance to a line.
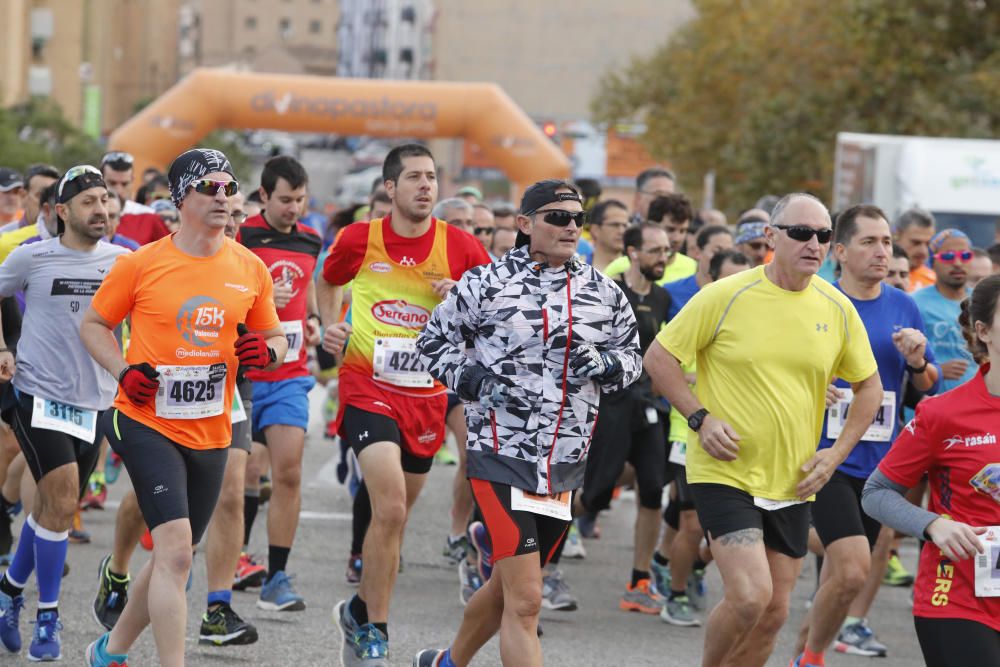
[744, 537]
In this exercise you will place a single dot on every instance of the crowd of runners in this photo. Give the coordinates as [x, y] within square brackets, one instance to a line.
[798, 381]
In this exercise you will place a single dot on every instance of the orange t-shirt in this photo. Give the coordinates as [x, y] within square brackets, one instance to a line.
[184, 315]
[922, 276]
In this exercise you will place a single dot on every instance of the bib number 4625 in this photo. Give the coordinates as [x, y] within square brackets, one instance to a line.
[192, 391]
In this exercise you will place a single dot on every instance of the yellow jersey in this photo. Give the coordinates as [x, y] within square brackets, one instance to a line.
[765, 356]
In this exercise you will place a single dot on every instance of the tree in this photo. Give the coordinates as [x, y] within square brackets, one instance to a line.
[37, 132]
[757, 90]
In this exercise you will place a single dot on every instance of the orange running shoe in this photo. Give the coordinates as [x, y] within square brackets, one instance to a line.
[248, 574]
[642, 598]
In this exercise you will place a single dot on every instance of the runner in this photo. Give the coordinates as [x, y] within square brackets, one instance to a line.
[674, 213]
[913, 231]
[57, 399]
[953, 440]
[863, 246]
[171, 421]
[608, 222]
[391, 412]
[750, 462]
[281, 396]
[138, 222]
[631, 425]
[898, 274]
[650, 184]
[518, 366]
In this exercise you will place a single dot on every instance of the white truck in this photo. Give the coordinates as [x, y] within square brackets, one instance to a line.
[958, 180]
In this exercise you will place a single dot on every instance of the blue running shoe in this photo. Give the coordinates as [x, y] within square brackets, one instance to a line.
[661, 577]
[45, 645]
[279, 595]
[480, 539]
[10, 615]
[361, 646]
[98, 656]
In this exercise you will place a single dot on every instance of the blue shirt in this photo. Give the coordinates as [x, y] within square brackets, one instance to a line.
[893, 310]
[944, 335]
[681, 292]
[585, 250]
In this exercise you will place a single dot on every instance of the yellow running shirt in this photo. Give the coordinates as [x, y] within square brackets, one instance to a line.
[765, 356]
[682, 267]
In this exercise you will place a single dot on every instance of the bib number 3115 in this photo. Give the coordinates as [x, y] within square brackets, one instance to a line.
[71, 420]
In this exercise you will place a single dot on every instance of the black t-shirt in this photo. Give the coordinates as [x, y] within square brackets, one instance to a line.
[650, 311]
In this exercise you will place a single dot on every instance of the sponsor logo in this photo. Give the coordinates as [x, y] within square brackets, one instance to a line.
[407, 261]
[401, 314]
[200, 319]
[911, 426]
[427, 437]
[183, 353]
[822, 327]
[238, 288]
[158, 489]
[363, 435]
[375, 109]
[977, 440]
[287, 271]
[380, 267]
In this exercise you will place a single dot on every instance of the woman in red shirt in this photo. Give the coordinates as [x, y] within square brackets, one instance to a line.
[954, 439]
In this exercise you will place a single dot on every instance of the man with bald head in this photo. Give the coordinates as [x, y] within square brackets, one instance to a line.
[766, 342]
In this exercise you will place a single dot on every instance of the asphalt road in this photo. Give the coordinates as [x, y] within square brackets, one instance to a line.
[426, 609]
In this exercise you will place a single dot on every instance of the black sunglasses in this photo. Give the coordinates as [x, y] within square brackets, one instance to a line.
[803, 233]
[560, 218]
[482, 230]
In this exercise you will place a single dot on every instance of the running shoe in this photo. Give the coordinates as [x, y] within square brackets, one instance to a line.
[361, 646]
[10, 615]
[428, 657]
[444, 457]
[112, 468]
[642, 598]
[77, 535]
[587, 524]
[469, 580]
[248, 573]
[146, 540]
[97, 493]
[661, 577]
[279, 595]
[896, 574]
[98, 656]
[574, 545]
[797, 662]
[555, 593]
[353, 574]
[45, 644]
[678, 612]
[455, 549]
[859, 639]
[112, 594]
[696, 590]
[221, 626]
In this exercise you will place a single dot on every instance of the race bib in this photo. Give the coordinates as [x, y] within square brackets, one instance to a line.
[988, 564]
[882, 426]
[555, 506]
[54, 416]
[239, 414]
[295, 335]
[397, 362]
[191, 392]
[678, 452]
[772, 505]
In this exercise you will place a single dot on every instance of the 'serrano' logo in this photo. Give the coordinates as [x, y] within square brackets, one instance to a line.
[401, 314]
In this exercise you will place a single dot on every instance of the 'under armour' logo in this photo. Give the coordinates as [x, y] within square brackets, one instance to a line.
[363, 435]
[821, 327]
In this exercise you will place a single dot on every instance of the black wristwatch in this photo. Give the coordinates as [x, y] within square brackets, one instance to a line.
[696, 419]
[917, 371]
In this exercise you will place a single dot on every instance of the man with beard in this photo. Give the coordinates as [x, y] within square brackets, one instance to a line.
[59, 395]
[940, 305]
[635, 414]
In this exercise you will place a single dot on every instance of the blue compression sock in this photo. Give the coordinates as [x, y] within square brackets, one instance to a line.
[445, 660]
[220, 597]
[23, 563]
[50, 557]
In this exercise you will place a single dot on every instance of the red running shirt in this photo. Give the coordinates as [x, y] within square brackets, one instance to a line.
[955, 439]
[291, 256]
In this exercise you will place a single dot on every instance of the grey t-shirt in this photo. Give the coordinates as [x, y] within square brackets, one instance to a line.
[58, 284]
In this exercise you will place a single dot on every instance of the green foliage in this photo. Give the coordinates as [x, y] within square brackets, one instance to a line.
[757, 90]
[37, 131]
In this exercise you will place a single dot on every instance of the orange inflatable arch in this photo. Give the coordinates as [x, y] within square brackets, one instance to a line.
[209, 99]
